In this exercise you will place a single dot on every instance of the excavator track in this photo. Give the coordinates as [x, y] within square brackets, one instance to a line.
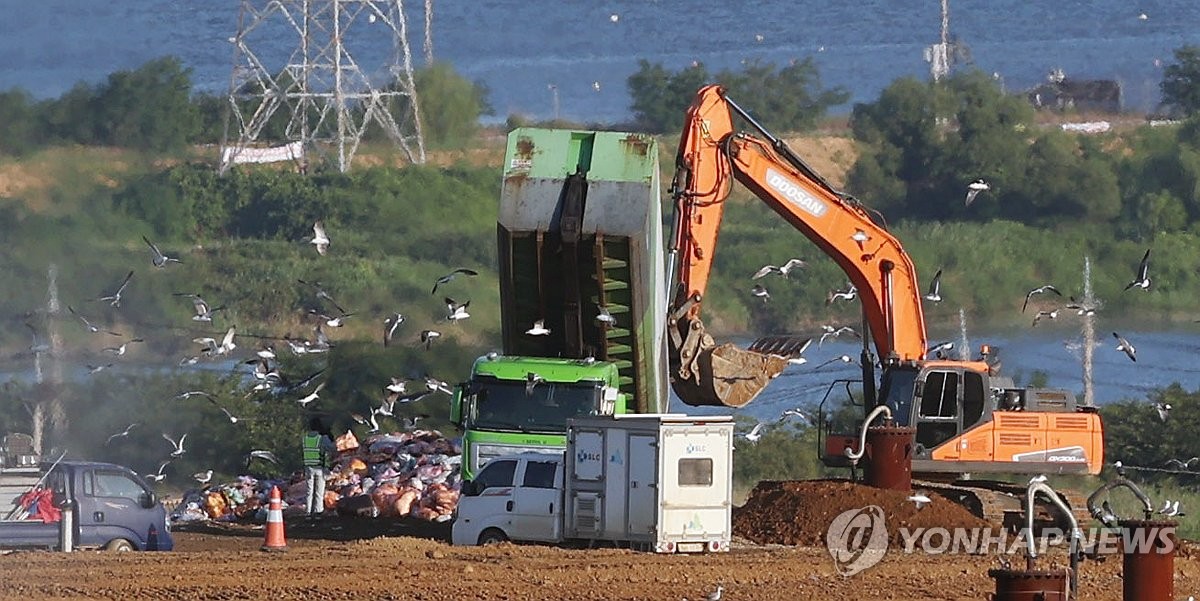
[1003, 503]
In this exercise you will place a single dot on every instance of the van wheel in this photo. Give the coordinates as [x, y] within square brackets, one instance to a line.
[119, 544]
[492, 536]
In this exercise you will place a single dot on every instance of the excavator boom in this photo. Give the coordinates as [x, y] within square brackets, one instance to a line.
[712, 153]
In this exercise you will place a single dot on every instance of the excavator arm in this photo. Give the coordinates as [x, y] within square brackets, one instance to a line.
[711, 155]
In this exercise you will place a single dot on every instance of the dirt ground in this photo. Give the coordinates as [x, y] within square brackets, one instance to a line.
[225, 563]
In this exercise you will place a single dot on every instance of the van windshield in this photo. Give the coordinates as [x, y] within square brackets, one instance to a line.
[505, 405]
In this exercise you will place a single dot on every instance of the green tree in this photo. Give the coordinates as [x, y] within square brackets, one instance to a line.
[660, 97]
[148, 108]
[787, 99]
[18, 125]
[450, 105]
[1181, 81]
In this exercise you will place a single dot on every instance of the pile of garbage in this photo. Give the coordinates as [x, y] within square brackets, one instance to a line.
[410, 474]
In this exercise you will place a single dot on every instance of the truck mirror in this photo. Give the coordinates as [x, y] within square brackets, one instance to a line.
[148, 500]
[456, 409]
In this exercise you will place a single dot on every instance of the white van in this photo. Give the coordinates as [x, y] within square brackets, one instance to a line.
[516, 496]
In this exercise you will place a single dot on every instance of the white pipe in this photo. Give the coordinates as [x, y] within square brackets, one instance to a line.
[853, 455]
[1076, 533]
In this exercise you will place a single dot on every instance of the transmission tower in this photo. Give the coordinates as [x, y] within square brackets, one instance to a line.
[296, 79]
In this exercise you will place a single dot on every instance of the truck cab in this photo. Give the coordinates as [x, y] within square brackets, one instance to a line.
[112, 508]
[501, 413]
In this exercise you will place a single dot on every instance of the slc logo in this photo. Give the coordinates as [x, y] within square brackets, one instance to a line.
[616, 458]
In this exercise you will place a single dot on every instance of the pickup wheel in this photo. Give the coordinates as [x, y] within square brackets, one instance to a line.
[492, 536]
[119, 544]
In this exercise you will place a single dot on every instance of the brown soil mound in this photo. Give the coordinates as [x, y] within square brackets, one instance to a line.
[799, 512]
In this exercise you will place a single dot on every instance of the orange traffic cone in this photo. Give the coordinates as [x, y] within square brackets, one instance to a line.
[275, 540]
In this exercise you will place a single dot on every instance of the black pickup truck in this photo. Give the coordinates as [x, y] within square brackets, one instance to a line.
[113, 508]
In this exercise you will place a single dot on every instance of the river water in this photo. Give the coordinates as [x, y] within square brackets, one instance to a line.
[520, 49]
[1164, 357]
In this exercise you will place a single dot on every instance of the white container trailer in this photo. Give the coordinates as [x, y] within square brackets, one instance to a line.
[655, 481]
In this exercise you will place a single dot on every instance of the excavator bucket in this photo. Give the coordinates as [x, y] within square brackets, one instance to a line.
[704, 374]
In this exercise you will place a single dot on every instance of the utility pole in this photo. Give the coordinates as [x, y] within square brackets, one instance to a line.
[1089, 333]
[428, 32]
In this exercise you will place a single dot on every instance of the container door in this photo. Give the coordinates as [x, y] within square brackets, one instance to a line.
[643, 492]
[537, 505]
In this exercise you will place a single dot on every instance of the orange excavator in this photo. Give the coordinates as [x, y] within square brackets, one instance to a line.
[967, 418]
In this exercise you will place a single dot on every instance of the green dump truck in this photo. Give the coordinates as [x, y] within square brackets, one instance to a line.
[581, 255]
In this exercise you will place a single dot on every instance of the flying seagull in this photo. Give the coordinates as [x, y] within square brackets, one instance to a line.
[120, 350]
[796, 413]
[1163, 409]
[1143, 274]
[201, 307]
[1047, 314]
[760, 292]
[92, 369]
[264, 455]
[850, 293]
[832, 332]
[456, 311]
[428, 336]
[450, 276]
[212, 348]
[1183, 465]
[179, 450]
[920, 499]
[183, 396]
[974, 188]
[89, 325]
[398, 385]
[121, 434]
[935, 288]
[1079, 307]
[389, 327]
[539, 328]
[860, 237]
[435, 385]
[322, 294]
[158, 258]
[842, 358]
[1038, 290]
[782, 270]
[114, 299]
[605, 318]
[312, 396]
[319, 239]
[160, 475]
[1123, 345]
[333, 322]
[754, 434]
[531, 380]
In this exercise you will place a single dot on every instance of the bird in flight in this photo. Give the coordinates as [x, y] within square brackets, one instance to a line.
[832, 332]
[1079, 307]
[1047, 314]
[796, 413]
[428, 336]
[450, 276]
[128, 429]
[1163, 409]
[212, 348]
[754, 434]
[920, 499]
[120, 350]
[532, 380]
[201, 307]
[1183, 465]
[158, 477]
[974, 188]
[398, 386]
[183, 396]
[114, 299]
[605, 318]
[456, 311]
[1143, 274]
[860, 237]
[935, 288]
[312, 396]
[319, 239]
[264, 455]
[92, 369]
[760, 292]
[333, 322]
[322, 294]
[849, 294]
[389, 327]
[782, 270]
[1038, 290]
[157, 257]
[179, 450]
[89, 325]
[842, 358]
[1123, 345]
[539, 328]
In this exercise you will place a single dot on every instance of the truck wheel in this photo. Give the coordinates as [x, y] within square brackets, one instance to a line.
[119, 544]
[492, 536]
